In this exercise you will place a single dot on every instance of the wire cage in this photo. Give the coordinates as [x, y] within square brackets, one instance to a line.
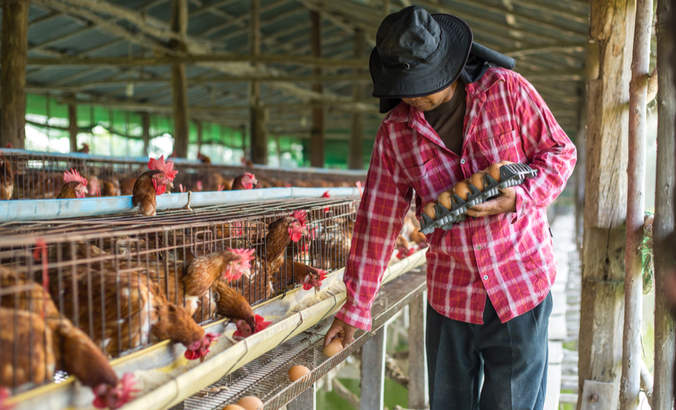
[37, 175]
[122, 279]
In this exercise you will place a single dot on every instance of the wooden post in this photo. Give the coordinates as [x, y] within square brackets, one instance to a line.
[663, 395]
[259, 138]
[355, 160]
[179, 87]
[13, 72]
[306, 401]
[198, 125]
[633, 281]
[373, 371]
[317, 133]
[145, 125]
[72, 126]
[608, 74]
[417, 373]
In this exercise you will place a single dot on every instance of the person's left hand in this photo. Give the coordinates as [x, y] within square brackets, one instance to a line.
[504, 203]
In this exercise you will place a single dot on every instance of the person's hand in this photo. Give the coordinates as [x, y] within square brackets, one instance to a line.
[504, 203]
[340, 330]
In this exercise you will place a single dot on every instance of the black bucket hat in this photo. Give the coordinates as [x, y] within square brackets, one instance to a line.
[416, 54]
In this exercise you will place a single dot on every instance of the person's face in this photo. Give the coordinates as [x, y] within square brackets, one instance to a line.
[431, 101]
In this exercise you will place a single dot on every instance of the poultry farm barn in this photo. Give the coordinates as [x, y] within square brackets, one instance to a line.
[79, 292]
[35, 175]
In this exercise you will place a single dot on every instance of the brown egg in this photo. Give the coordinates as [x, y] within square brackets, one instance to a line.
[478, 180]
[445, 199]
[333, 348]
[429, 210]
[250, 403]
[233, 407]
[297, 372]
[461, 189]
[494, 171]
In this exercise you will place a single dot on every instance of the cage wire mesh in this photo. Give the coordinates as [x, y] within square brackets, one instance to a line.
[40, 175]
[113, 276]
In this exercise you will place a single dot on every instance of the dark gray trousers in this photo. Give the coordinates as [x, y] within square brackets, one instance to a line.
[494, 366]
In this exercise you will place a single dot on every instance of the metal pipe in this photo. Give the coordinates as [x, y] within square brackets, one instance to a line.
[42, 209]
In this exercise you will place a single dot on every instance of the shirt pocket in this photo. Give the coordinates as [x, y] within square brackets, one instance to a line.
[490, 148]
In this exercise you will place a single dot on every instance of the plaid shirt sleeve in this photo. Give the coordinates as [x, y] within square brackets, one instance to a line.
[384, 203]
[546, 145]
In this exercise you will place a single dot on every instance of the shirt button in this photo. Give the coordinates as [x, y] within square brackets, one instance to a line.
[479, 247]
[485, 277]
[462, 161]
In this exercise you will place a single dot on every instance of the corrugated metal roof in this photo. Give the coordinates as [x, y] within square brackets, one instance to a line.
[508, 26]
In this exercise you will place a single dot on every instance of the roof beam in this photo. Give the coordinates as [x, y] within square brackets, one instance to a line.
[201, 58]
[147, 27]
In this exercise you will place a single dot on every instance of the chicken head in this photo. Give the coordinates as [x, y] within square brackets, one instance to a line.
[73, 176]
[113, 397]
[165, 177]
[240, 266]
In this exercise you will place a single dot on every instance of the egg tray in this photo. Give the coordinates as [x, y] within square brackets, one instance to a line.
[510, 175]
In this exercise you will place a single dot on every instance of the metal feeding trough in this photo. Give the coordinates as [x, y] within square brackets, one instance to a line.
[510, 175]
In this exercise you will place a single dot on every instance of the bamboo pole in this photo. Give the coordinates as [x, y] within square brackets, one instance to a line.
[633, 281]
[607, 66]
[13, 73]
[317, 135]
[179, 24]
[663, 394]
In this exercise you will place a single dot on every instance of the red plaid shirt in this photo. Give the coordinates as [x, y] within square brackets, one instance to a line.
[508, 256]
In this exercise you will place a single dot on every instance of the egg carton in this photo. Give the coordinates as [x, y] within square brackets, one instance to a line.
[510, 175]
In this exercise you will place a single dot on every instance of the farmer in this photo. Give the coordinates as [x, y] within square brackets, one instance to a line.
[451, 113]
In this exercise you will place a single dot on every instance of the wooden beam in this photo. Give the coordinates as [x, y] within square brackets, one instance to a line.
[663, 394]
[355, 159]
[608, 62]
[557, 48]
[373, 371]
[317, 137]
[145, 129]
[196, 46]
[13, 76]
[259, 138]
[417, 387]
[72, 127]
[198, 126]
[633, 281]
[198, 58]
[179, 24]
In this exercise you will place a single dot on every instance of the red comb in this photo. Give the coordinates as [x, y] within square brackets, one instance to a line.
[73, 176]
[160, 165]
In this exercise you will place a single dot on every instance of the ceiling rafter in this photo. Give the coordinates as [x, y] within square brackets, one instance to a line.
[152, 26]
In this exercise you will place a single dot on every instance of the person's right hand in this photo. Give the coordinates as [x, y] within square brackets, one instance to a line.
[340, 330]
